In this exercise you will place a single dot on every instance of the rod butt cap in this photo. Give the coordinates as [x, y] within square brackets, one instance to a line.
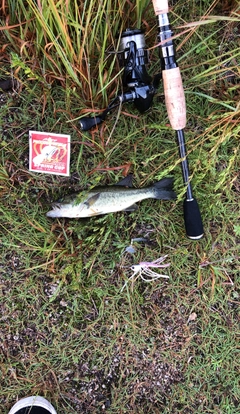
[193, 220]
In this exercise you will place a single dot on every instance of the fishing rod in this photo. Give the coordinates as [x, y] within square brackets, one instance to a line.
[176, 109]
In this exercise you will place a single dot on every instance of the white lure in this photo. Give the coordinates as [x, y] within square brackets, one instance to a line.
[144, 270]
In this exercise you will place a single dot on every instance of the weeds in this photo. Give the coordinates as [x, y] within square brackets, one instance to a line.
[68, 329]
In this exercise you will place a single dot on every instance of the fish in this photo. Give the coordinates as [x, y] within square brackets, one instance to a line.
[110, 199]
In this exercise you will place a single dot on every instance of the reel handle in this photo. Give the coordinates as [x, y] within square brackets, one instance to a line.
[88, 122]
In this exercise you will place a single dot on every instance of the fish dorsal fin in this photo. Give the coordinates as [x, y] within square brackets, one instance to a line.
[92, 200]
[126, 181]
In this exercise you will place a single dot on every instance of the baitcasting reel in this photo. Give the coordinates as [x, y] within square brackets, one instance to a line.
[140, 89]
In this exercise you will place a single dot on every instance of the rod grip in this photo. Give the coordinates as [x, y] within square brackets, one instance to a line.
[160, 6]
[193, 219]
[174, 98]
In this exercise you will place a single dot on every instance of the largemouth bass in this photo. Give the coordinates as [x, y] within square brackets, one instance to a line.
[104, 200]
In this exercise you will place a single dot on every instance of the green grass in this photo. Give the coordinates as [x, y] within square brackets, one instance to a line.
[67, 329]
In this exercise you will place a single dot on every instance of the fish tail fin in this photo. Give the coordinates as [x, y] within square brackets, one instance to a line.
[163, 189]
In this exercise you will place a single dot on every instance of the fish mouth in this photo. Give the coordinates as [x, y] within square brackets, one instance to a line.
[56, 206]
[52, 213]
[55, 211]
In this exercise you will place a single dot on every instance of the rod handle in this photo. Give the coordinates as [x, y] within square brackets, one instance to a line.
[160, 6]
[193, 219]
[174, 98]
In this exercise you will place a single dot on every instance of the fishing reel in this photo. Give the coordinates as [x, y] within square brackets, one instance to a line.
[138, 85]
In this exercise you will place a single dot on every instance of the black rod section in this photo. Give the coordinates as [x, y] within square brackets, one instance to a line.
[184, 161]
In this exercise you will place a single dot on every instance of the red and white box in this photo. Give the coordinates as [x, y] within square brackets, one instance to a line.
[49, 153]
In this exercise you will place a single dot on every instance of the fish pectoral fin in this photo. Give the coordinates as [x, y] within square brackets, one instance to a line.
[92, 200]
[134, 207]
